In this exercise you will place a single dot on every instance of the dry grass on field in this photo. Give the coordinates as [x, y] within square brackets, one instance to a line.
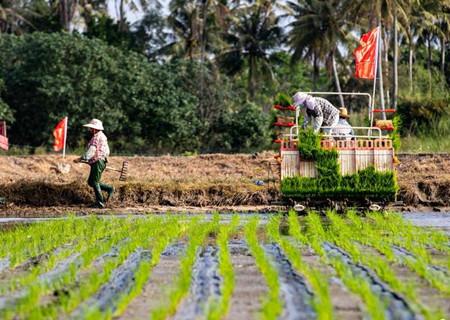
[204, 180]
[165, 170]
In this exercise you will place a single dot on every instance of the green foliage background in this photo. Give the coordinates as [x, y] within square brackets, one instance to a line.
[146, 107]
[198, 76]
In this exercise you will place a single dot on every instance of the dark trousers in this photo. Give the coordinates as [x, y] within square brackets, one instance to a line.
[95, 175]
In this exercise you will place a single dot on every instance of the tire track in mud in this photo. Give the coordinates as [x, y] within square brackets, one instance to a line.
[294, 289]
[161, 278]
[121, 282]
[397, 307]
[205, 286]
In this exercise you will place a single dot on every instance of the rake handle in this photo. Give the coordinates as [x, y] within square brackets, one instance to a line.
[106, 168]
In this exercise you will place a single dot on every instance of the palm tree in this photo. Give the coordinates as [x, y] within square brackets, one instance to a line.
[185, 21]
[444, 30]
[318, 29]
[426, 30]
[252, 36]
[12, 16]
[197, 25]
[66, 10]
[132, 5]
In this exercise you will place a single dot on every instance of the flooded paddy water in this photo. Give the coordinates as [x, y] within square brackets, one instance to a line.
[226, 266]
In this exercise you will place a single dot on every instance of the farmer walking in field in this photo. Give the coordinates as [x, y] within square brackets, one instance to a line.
[319, 110]
[96, 156]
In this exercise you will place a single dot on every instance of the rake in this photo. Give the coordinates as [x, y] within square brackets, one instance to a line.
[123, 171]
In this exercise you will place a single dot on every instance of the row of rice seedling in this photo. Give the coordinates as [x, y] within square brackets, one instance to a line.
[345, 237]
[83, 280]
[144, 232]
[93, 230]
[317, 280]
[29, 241]
[172, 231]
[93, 267]
[365, 233]
[414, 239]
[316, 235]
[272, 305]
[220, 308]
[112, 233]
[197, 234]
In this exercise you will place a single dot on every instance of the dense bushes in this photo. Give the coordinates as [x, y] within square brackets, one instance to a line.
[242, 130]
[5, 111]
[145, 107]
[419, 113]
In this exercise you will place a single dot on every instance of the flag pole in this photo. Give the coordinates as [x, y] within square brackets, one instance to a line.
[65, 135]
[380, 67]
[374, 79]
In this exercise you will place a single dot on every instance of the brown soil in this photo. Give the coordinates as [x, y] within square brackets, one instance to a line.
[346, 304]
[428, 296]
[155, 291]
[250, 288]
[425, 179]
[215, 180]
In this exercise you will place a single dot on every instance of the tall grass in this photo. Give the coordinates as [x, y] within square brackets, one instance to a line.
[434, 137]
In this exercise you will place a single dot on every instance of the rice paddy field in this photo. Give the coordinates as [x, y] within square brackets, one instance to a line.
[231, 266]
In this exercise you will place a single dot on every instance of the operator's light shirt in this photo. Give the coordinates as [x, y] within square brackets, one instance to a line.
[343, 128]
[98, 148]
[322, 112]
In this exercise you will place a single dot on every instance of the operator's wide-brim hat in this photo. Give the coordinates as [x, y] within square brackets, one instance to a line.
[343, 113]
[94, 124]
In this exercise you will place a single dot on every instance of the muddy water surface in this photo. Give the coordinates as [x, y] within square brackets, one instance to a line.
[429, 219]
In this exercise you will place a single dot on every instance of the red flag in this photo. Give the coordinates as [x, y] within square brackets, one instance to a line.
[60, 135]
[3, 139]
[366, 54]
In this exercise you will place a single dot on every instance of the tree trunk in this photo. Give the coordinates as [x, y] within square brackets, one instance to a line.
[336, 79]
[443, 45]
[395, 66]
[410, 66]
[122, 15]
[202, 52]
[63, 13]
[251, 75]
[429, 65]
[315, 71]
[67, 9]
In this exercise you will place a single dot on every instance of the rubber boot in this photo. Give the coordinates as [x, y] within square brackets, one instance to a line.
[98, 195]
[109, 189]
